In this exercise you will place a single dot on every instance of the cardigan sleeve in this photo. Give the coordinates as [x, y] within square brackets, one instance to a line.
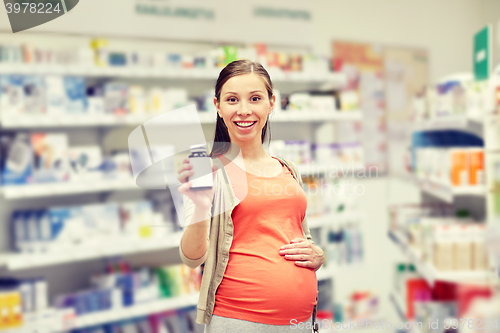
[188, 214]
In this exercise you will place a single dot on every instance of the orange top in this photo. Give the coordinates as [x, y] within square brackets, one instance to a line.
[259, 284]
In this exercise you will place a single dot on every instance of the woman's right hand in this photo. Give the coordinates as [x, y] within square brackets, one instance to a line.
[201, 198]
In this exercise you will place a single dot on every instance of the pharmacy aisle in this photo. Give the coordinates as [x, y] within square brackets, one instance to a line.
[448, 238]
[100, 105]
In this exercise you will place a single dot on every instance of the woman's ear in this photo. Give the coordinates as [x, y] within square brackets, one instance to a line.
[217, 105]
[272, 101]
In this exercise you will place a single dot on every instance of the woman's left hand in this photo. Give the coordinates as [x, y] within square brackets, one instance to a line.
[305, 253]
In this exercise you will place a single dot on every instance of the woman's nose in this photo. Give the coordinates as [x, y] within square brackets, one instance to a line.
[244, 109]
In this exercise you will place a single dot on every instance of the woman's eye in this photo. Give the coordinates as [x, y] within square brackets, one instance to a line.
[255, 99]
[232, 100]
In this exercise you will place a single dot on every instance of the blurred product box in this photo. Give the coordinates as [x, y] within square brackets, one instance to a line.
[451, 166]
[11, 95]
[85, 163]
[34, 94]
[16, 159]
[50, 157]
[76, 95]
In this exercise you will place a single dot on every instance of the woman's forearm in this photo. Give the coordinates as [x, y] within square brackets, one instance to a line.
[194, 241]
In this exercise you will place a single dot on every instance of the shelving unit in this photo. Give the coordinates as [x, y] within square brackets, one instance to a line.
[448, 192]
[137, 310]
[106, 120]
[464, 123]
[58, 325]
[162, 73]
[429, 273]
[99, 123]
[19, 192]
[119, 247]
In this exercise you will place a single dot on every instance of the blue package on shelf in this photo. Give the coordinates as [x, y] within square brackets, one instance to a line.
[93, 301]
[19, 232]
[44, 229]
[125, 282]
[33, 232]
[9, 283]
[117, 59]
[66, 228]
[442, 139]
[76, 94]
[16, 159]
[105, 302]
[80, 304]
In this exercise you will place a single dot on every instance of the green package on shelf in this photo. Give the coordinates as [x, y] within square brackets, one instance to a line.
[231, 53]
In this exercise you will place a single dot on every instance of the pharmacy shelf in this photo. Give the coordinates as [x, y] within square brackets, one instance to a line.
[111, 248]
[57, 325]
[101, 120]
[312, 116]
[138, 310]
[398, 302]
[447, 192]
[452, 122]
[13, 192]
[338, 79]
[429, 273]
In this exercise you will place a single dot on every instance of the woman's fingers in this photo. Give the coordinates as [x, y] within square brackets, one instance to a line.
[308, 264]
[302, 251]
[184, 175]
[300, 257]
[185, 170]
[184, 188]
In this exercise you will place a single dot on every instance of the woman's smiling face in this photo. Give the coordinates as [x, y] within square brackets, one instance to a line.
[244, 106]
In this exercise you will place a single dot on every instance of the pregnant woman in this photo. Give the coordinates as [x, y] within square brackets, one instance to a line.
[250, 229]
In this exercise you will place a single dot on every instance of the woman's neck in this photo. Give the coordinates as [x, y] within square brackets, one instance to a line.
[250, 151]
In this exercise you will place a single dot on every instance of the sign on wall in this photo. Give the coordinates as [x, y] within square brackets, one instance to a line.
[482, 53]
[277, 22]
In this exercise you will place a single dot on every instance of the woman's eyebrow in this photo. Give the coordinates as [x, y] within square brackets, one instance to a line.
[235, 93]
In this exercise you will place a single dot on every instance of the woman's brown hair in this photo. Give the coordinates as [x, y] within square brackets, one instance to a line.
[222, 141]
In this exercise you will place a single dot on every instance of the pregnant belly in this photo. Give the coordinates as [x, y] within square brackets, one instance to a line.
[266, 285]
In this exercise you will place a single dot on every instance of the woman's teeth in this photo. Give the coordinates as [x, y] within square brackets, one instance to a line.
[245, 124]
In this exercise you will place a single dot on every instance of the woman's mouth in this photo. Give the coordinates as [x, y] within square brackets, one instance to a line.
[245, 124]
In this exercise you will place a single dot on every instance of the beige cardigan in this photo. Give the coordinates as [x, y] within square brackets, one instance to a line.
[220, 238]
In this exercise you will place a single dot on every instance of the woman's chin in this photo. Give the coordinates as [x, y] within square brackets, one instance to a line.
[246, 138]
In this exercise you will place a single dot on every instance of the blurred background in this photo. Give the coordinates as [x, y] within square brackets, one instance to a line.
[389, 107]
